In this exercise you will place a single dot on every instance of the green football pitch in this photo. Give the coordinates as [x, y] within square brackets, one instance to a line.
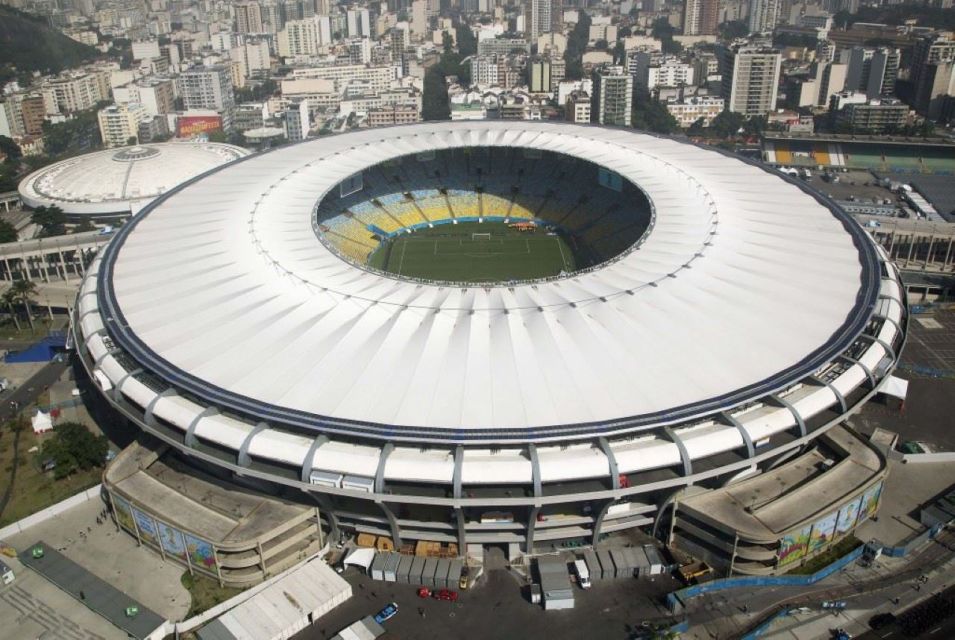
[474, 252]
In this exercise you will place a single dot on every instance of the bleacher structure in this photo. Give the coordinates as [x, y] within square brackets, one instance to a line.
[910, 156]
[500, 185]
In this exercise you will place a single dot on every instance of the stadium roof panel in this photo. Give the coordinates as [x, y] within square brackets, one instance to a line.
[121, 181]
[745, 284]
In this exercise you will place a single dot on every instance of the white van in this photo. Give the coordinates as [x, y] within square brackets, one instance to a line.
[583, 574]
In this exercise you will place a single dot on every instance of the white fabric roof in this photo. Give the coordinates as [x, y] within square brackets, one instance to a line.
[123, 179]
[226, 282]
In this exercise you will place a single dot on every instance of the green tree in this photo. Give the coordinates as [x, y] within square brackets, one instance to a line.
[22, 292]
[698, 128]
[73, 448]
[727, 124]
[10, 304]
[733, 29]
[652, 115]
[10, 149]
[467, 43]
[434, 102]
[8, 232]
[51, 220]
[85, 226]
[576, 45]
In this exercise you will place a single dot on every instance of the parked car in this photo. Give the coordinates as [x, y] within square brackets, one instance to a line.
[389, 612]
[446, 594]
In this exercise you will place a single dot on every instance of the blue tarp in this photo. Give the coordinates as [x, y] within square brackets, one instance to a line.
[42, 351]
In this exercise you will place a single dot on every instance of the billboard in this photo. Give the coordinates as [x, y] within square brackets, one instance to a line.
[822, 532]
[870, 502]
[350, 185]
[124, 516]
[189, 126]
[201, 553]
[793, 546]
[847, 517]
[172, 541]
[146, 526]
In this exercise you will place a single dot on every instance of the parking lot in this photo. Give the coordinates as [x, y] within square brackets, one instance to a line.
[928, 363]
[497, 608]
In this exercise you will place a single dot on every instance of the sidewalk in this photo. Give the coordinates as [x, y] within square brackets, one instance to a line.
[720, 614]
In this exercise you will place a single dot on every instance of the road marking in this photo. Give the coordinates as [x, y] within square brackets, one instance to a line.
[935, 629]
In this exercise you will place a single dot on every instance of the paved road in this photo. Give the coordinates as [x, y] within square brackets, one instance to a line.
[29, 390]
[944, 630]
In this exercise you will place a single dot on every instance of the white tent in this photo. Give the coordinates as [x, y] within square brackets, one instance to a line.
[360, 558]
[895, 387]
[41, 422]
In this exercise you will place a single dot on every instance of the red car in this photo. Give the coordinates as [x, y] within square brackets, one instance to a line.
[446, 594]
[424, 592]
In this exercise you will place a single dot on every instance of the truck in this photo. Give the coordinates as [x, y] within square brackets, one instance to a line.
[583, 574]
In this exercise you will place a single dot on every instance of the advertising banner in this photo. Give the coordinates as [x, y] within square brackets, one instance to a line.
[870, 502]
[201, 553]
[123, 513]
[792, 547]
[847, 517]
[189, 126]
[172, 541]
[147, 527]
[822, 532]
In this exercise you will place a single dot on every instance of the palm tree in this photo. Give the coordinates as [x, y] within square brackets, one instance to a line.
[23, 290]
[9, 301]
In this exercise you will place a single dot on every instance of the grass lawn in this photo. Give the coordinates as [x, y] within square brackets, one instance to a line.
[827, 557]
[42, 326]
[451, 252]
[33, 489]
[206, 592]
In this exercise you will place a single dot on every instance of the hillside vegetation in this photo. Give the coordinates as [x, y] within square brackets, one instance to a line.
[28, 44]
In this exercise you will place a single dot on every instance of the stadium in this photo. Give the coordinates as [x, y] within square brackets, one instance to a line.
[113, 184]
[489, 334]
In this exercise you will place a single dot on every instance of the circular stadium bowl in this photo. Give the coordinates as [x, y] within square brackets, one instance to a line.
[116, 183]
[716, 317]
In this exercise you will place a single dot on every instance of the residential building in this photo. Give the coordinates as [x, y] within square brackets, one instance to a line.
[539, 76]
[652, 70]
[119, 123]
[393, 114]
[297, 121]
[612, 98]
[209, 88]
[74, 91]
[145, 49]
[873, 71]
[379, 77]
[750, 78]
[359, 23]
[763, 15]
[541, 16]
[248, 17]
[304, 37]
[931, 58]
[884, 115]
[503, 46]
[32, 110]
[252, 57]
[320, 93]
[935, 89]
[156, 95]
[700, 17]
[691, 109]
[577, 108]
[250, 115]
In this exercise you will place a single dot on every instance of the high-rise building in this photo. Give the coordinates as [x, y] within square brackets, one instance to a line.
[931, 63]
[763, 15]
[700, 17]
[359, 24]
[304, 37]
[119, 123]
[539, 76]
[32, 115]
[297, 122]
[156, 95]
[612, 98]
[873, 71]
[209, 88]
[541, 16]
[577, 107]
[248, 17]
[750, 78]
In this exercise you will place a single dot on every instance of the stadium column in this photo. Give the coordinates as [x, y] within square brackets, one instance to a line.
[538, 492]
[780, 402]
[838, 394]
[242, 457]
[379, 489]
[324, 503]
[868, 371]
[456, 494]
[190, 438]
[750, 448]
[604, 446]
[148, 417]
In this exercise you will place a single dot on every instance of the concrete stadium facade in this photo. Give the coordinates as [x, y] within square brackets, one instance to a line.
[777, 312]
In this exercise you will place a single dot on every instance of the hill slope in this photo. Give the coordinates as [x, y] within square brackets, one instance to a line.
[27, 44]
